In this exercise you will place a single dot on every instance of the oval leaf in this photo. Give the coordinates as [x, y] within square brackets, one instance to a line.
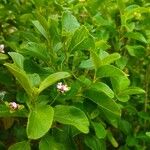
[21, 77]
[39, 121]
[102, 87]
[99, 130]
[24, 145]
[72, 116]
[51, 79]
[69, 22]
[103, 101]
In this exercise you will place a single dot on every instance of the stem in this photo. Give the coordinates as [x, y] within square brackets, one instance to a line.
[54, 99]
[146, 91]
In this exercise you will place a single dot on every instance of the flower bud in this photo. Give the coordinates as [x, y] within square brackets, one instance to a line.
[2, 48]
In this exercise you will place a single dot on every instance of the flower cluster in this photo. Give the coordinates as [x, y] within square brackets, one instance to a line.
[13, 105]
[2, 48]
[62, 87]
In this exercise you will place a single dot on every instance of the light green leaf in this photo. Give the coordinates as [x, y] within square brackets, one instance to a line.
[21, 76]
[81, 40]
[86, 64]
[148, 134]
[112, 139]
[103, 101]
[51, 79]
[3, 56]
[35, 79]
[110, 58]
[137, 36]
[40, 28]
[24, 145]
[119, 78]
[18, 59]
[39, 121]
[72, 116]
[49, 143]
[95, 59]
[99, 130]
[102, 87]
[136, 50]
[109, 71]
[69, 22]
[132, 90]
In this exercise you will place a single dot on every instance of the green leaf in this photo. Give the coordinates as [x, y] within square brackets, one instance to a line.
[112, 139]
[35, 79]
[148, 134]
[72, 116]
[41, 29]
[36, 50]
[21, 76]
[119, 78]
[69, 22]
[136, 50]
[49, 143]
[81, 40]
[24, 145]
[94, 143]
[99, 130]
[3, 56]
[95, 59]
[39, 121]
[110, 58]
[103, 101]
[18, 59]
[51, 79]
[86, 64]
[136, 36]
[132, 90]
[102, 87]
[110, 71]
[125, 127]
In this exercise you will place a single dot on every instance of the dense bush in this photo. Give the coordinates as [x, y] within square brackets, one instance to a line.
[74, 74]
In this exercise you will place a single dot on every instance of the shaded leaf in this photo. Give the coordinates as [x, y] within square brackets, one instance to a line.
[24, 145]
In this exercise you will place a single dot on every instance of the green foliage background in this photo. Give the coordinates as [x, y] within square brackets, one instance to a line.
[100, 49]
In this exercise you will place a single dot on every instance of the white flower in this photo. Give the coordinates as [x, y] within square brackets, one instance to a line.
[62, 87]
[59, 86]
[13, 106]
[2, 48]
